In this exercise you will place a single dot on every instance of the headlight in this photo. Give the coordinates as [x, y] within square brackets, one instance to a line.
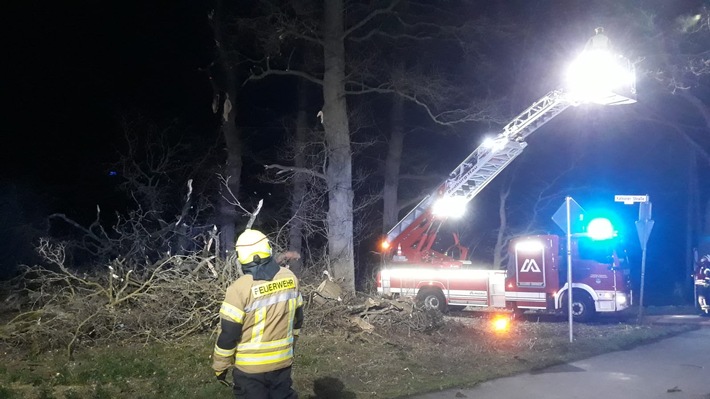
[606, 295]
[621, 299]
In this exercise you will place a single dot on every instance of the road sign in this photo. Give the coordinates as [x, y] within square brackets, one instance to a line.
[643, 228]
[645, 210]
[576, 215]
[630, 199]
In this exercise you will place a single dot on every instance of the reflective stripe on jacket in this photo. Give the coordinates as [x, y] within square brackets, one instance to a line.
[265, 314]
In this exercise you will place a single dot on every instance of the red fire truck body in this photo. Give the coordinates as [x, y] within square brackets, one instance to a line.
[535, 279]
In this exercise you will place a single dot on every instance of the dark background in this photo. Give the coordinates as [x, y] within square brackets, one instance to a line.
[71, 71]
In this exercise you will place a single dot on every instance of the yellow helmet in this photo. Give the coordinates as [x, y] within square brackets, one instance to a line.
[250, 244]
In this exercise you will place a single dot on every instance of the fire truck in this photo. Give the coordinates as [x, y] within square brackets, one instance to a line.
[536, 277]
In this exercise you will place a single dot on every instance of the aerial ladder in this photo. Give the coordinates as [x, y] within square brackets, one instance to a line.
[411, 239]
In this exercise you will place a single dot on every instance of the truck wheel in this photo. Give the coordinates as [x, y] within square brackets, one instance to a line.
[582, 306]
[433, 299]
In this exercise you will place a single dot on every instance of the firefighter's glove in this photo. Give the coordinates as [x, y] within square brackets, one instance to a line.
[222, 378]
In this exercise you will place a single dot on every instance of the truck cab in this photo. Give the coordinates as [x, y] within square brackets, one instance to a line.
[537, 275]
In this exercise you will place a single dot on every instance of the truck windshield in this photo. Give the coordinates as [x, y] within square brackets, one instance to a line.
[601, 251]
[604, 251]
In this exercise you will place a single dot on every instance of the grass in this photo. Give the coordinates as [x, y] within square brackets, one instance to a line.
[342, 364]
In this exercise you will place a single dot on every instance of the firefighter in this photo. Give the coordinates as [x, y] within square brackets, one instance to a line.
[702, 284]
[598, 42]
[260, 319]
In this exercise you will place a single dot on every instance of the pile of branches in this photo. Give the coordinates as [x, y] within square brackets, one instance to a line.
[153, 275]
[54, 306]
[58, 307]
[362, 315]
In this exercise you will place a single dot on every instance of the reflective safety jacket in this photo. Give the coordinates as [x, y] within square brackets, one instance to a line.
[258, 320]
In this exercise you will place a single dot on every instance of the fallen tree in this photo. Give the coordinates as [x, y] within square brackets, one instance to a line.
[55, 306]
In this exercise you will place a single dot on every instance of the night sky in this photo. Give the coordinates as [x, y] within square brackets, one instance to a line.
[71, 71]
[75, 69]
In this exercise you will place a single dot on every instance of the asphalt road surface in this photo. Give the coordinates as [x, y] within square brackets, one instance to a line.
[674, 368]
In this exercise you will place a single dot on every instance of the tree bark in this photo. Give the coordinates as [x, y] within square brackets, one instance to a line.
[225, 96]
[704, 241]
[390, 199]
[227, 216]
[692, 228]
[337, 137]
[298, 189]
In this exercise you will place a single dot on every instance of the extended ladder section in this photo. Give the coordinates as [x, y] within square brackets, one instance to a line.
[489, 159]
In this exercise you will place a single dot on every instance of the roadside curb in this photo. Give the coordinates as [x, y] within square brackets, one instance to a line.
[679, 319]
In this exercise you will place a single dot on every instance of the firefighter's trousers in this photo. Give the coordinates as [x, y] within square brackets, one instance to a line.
[703, 298]
[269, 385]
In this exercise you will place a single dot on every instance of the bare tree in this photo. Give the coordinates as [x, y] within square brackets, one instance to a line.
[163, 190]
[393, 161]
[303, 170]
[674, 54]
[348, 68]
[299, 189]
[223, 75]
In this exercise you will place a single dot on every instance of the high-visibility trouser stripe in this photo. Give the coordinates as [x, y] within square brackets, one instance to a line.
[232, 312]
[255, 346]
[271, 300]
[259, 323]
[248, 359]
[224, 352]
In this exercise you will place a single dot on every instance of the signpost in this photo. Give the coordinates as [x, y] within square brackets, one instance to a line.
[570, 209]
[644, 225]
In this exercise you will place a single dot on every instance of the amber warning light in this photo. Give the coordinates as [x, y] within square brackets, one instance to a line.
[501, 324]
[385, 245]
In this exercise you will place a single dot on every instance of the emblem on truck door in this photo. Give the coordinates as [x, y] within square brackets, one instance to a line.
[530, 266]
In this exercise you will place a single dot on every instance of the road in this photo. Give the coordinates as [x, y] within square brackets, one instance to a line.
[677, 368]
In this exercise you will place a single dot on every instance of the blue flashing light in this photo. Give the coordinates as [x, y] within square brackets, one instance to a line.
[600, 229]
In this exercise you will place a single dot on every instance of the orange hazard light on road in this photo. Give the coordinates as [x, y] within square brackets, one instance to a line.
[501, 323]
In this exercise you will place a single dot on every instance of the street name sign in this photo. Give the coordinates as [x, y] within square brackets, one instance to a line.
[630, 199]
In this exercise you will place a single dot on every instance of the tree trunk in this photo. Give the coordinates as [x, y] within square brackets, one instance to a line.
[704, 242]
[337, 137]
[390, 199]
[227, 217]
[298, 193]
[225, 96]
[692, 228]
